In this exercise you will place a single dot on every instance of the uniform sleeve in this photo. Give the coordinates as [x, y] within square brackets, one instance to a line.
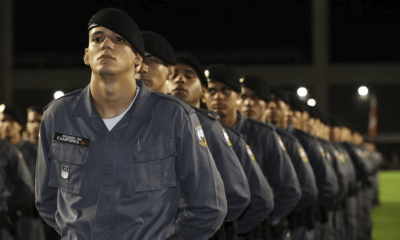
[327, 181]
[235, 181]
[262, 198]
[201, 183]
[282, 177]
[305, 175]
[46, 197]
[20, 177]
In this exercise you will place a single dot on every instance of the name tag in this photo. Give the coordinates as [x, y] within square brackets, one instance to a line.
[71, 139]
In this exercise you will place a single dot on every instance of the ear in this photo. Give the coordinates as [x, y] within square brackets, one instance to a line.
[171, 72]
[86, 57]
[203, 94]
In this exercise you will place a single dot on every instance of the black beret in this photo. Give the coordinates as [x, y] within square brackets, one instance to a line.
[280, 92]
[258, 85]
[193, 62]
[35, 108]
[225, 74]
[15, 114]
[295, 103]
[158, 46]
[121, 23]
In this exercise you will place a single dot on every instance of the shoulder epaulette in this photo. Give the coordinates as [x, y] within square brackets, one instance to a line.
[78, 91]
[272, 128]
[187, 107]
[211, 114]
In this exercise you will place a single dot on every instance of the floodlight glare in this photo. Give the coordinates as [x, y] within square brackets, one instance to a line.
[363, 91]
[58, 94]
[2, 107]
[302, 91]
[311, 102]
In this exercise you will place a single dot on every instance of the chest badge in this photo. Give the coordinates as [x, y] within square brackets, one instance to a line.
[303, 155]
[201, 139]
[228, 141]
[64, 171]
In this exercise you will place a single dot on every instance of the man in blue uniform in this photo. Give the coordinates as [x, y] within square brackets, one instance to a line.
[189, 84]
[221, 96]
[276, 101]
[160, 51]
[326, 179]
[114, 158]
[34, 118]
[29, 226]
[15, 185]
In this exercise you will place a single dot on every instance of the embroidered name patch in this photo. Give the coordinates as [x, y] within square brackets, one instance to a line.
[303, 155]
[250, 153]
[64, 171]
[71, 139]
[228, 141]
[201, 139]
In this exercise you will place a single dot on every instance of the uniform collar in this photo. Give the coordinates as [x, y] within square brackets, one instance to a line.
[141, 108]
[240, 120]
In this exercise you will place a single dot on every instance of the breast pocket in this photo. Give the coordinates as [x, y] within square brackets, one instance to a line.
[67, 167]
[154, 165]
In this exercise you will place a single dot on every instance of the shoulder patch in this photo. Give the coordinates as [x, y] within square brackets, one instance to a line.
[322, 151]
[78, 91]
[228, 141]
[303, 155]
[250, 153]
[281, 143]
[201, 139]
[187, 107]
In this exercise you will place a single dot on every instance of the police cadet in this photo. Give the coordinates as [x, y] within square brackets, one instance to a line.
[29, 225]
[15, 185]
[34, 118]
[300, 223]
[223, 89]
[326, 179]
[159, 50]
[189, 84]
[114, 158]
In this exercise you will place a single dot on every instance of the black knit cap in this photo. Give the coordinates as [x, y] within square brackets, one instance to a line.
[158, 46]
[121, 23]
[225, 74]
[295, 103]
[258, 85]
[193, 62]
[280, 93]
[15, 114]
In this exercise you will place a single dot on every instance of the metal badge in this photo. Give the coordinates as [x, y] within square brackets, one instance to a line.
[64, 171]
[201, 139]
[303, 155]
[281, 143]
[250, 153]
[228, 141]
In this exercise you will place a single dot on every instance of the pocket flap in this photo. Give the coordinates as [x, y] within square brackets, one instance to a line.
[75, 154]
[150, 151]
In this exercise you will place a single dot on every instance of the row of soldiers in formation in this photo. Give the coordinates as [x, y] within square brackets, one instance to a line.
[308, 178]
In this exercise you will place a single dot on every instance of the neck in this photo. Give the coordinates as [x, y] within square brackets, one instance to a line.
[15, 140]
[33, 139]
[112, 94]
[229, 120]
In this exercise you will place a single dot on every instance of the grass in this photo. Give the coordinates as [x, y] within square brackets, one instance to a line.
[386, 217]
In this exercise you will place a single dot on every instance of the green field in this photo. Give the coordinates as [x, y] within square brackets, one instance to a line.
[386, 217]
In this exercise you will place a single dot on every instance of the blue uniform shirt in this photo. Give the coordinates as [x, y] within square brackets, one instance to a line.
[29, 150]
[274, 162]
[324, 173]
[262, 198]
[125, 184]
[236, 185]
[304, 171]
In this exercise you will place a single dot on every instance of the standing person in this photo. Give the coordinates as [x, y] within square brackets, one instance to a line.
[114, 158]
[34, 119]
[221, 96]
[15, 185]
[189, 84]
[29, 226]
[158, 52]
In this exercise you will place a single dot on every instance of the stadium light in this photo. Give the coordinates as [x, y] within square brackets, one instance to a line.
[311, 102]
[363, 91]
[58, 94]
[2, 107]
[302, 91]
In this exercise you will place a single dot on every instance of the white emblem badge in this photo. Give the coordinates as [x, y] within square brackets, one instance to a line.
[201, 139]
[228, 141]
[64, 171]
